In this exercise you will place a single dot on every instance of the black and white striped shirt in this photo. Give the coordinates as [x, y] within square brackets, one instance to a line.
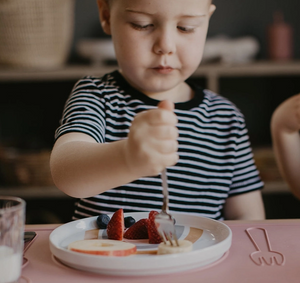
[215, 158]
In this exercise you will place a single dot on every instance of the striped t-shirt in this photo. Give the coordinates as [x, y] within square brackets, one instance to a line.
[215, 158]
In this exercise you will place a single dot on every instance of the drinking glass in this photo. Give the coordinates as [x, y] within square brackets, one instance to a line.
[12, 221]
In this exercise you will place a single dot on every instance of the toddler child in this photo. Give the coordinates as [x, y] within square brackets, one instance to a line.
[118, 132]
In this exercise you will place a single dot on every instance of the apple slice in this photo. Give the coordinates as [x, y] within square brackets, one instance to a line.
[103, 247]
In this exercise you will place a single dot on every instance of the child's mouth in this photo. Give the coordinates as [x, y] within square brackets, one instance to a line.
[163, 69]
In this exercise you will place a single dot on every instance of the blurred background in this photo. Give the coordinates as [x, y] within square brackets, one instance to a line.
[234, 18]
[252, 57]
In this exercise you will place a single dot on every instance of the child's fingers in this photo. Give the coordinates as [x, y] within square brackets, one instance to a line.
[152, 140]
[164, 132]
[166, 104]
[161, 116]
[158, 161]
[170, 160]
[167, 147]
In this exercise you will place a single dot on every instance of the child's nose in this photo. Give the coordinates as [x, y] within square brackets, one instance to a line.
[165, 43]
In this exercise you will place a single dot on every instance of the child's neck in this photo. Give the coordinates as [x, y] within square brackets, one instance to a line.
[181, 93]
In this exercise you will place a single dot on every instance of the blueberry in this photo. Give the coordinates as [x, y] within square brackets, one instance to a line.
[129, 221]
[102, 221]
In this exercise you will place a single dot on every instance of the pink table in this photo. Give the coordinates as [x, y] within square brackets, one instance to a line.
[241, 264]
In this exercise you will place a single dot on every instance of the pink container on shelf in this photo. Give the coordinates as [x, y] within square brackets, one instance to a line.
[280, 39]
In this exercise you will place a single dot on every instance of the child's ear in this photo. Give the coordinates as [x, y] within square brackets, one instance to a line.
[104, 14]
[212, 8]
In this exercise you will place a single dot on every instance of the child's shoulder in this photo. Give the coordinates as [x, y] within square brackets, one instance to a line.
[217, 98]
[219, 102]
[107, 80]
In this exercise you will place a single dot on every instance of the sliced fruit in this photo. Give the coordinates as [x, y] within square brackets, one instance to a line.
[103, 247]
[129, 221]
[139, 230]
[154, 237]
[102, 221]
[115, 227]
[184, 246]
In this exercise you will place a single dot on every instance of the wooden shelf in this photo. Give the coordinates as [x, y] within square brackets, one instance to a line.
[276, 187]
[256, 69]
[72, 72]
[212, 72]
[33, 192]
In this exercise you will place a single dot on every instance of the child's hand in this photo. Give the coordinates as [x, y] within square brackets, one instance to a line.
[152, 141]
[287, 116]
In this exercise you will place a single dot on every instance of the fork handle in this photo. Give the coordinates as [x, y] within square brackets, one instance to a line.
[165, 190]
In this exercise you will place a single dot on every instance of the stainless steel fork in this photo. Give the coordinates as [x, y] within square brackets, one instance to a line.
[163, 220]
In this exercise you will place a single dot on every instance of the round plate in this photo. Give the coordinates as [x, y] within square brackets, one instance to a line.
[211, 240]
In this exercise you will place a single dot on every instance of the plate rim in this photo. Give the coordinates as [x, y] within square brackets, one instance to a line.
[67, 257]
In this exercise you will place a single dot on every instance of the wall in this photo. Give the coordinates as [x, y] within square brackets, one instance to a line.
[251, 17]
[233, 17]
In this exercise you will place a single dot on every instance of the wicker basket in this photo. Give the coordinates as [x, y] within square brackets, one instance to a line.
[36, 33]
[25, 168]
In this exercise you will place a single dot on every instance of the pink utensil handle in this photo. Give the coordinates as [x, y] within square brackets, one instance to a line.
[260, 240]
[264, 252]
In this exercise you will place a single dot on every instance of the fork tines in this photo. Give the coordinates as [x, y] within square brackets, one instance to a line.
[166, 229]
[168, 237]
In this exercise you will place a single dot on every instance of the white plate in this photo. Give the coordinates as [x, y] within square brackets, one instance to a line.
[208, 247]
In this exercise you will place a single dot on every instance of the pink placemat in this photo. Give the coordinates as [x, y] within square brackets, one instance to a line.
[266, 251]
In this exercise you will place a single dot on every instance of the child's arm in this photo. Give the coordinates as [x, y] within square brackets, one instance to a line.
[248, 206]
[82, 168]
[285, 126]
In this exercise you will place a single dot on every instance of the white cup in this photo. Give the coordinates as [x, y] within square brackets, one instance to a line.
[12, 221]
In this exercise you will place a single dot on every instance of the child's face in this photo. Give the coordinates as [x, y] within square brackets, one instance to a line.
[158, 43]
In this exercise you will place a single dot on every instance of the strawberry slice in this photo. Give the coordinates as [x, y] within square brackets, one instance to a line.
[154, 237]
[138, 230]
[115, 227]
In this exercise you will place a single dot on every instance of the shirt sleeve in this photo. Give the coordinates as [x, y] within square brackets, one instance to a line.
[84, 111]
[245, 176]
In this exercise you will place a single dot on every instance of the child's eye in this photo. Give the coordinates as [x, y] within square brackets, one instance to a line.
[186, 29]
[140, 27]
